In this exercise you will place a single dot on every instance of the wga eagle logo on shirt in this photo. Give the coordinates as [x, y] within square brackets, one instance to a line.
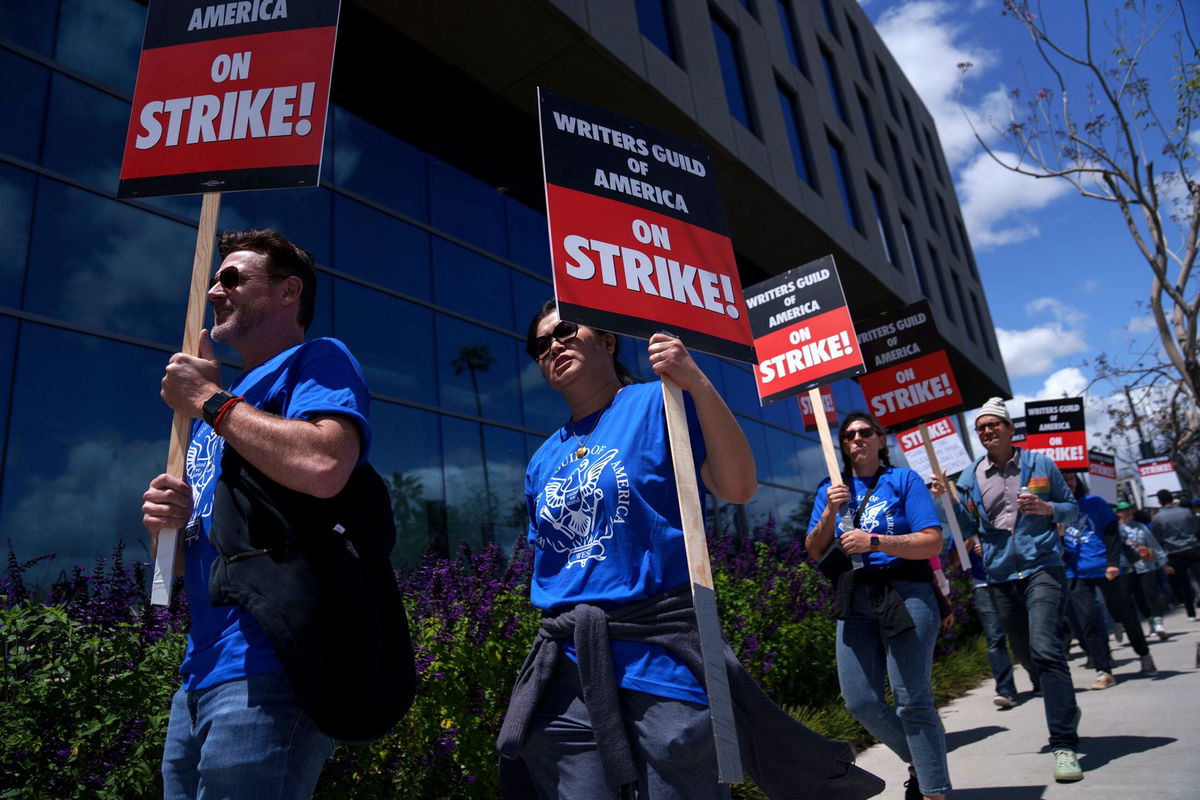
[571, 504]
[870, 516]
[203, 456]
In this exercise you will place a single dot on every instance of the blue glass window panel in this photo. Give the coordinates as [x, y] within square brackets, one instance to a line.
[406, 450]
[466, 207]
[847, 397]
[937, 273]
[777, 412]
[885, 227]
[381, 249]
[849, 201]
[982, 323]
[77, 462]
[120, 269]
[8, 343]
[756, 435]
[791, 36]
[466, 482]
[390, 337]
[962, 304]
[655, 25]
[478, 369]
[322, 321]
[528, 296]
[835, 88]
[302, 215]
[711, 367]
[830, 19]
[729, 56]
[904, 181]
[528, 237]
[29, 23]
[886, 84]
[102, 38]
[915, 257]
[16, 206]
[740, 394]
[869, 122]
[506, 463]
[543, 408]
[185, 205]
[471, 284]
[85, 133]
[377, 165]
[796, 138]
[925, 196]
[24, 88]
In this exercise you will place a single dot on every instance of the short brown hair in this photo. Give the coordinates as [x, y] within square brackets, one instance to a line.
[283, 260]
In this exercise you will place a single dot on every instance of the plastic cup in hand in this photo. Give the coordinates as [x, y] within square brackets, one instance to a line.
[856, 559]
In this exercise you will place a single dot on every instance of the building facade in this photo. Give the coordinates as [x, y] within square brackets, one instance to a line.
[430, 235]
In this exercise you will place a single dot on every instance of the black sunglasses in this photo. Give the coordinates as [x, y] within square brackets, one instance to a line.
[562, 332]
[850, 436]
[231, 278]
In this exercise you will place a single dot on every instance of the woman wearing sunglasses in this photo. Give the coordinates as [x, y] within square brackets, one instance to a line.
[609, 703]
[888, 616]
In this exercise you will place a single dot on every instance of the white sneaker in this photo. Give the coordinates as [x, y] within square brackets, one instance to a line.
[1157, 628]
[1004, 702]
[1103, 680]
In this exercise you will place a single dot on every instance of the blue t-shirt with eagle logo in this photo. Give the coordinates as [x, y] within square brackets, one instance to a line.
[316, 377]
[895, 503]
[606, 526]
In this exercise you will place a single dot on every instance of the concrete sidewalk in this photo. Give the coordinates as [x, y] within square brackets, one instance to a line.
[1139, 739]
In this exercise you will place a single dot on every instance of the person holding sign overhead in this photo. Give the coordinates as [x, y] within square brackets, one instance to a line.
[609, 703]
[888, 616]
[1012, 498]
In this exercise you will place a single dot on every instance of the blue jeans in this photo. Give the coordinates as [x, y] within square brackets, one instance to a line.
[911, 728]
[244, 738]
[672, 744]
[997, 644]
[1032, 610]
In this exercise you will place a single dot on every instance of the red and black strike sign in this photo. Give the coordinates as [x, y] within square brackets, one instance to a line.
[909, 377]
[827, 403]
[230, 96]
[1057, 429]
[637, 230]
[1102, 464]
[803, 334]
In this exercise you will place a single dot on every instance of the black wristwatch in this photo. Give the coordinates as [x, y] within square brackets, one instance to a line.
[874, 541]
[212, 406]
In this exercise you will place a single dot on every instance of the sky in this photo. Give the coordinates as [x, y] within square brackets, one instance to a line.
[1062, 275]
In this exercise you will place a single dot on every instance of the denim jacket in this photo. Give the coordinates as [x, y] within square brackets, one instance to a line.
[1034, 544]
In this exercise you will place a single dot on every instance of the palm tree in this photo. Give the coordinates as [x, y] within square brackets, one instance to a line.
[473, 358]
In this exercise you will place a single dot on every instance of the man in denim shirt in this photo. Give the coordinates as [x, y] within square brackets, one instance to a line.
[1012, 499]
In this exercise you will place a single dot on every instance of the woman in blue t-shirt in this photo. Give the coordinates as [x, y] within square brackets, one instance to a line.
[606, 530]
[888, 617]
[1092, 554]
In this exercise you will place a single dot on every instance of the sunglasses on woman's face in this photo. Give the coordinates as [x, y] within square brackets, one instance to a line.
[563, 332]
[851, 435]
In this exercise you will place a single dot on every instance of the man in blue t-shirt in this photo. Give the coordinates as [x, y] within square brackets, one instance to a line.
[298, 414]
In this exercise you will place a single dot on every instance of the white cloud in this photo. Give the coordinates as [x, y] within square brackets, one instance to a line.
[1034, 350]
[1141, 324]
[998, 204]
[1092, 286]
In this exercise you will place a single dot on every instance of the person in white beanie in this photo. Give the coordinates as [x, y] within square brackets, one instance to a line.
[1012, 499]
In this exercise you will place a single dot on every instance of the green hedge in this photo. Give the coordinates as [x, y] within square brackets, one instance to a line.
[88, 672]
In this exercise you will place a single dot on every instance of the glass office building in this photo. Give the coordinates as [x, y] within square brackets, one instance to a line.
[430, 235]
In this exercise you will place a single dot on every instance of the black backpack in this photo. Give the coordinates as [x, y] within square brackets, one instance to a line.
[317, 577]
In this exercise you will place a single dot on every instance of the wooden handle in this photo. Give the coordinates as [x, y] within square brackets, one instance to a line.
[181, 426]
[835, 474]
[951, 516]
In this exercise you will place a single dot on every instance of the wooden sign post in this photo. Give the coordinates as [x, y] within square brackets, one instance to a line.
[704, 598]
[947, 506]
[181, 426]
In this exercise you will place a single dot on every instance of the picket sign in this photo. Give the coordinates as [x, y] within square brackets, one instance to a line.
[704, 598]
[181, 426]
[947, 506]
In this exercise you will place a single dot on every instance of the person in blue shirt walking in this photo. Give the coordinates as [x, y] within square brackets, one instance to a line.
[888, 616]
[1092, 548]
[1011, 499]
